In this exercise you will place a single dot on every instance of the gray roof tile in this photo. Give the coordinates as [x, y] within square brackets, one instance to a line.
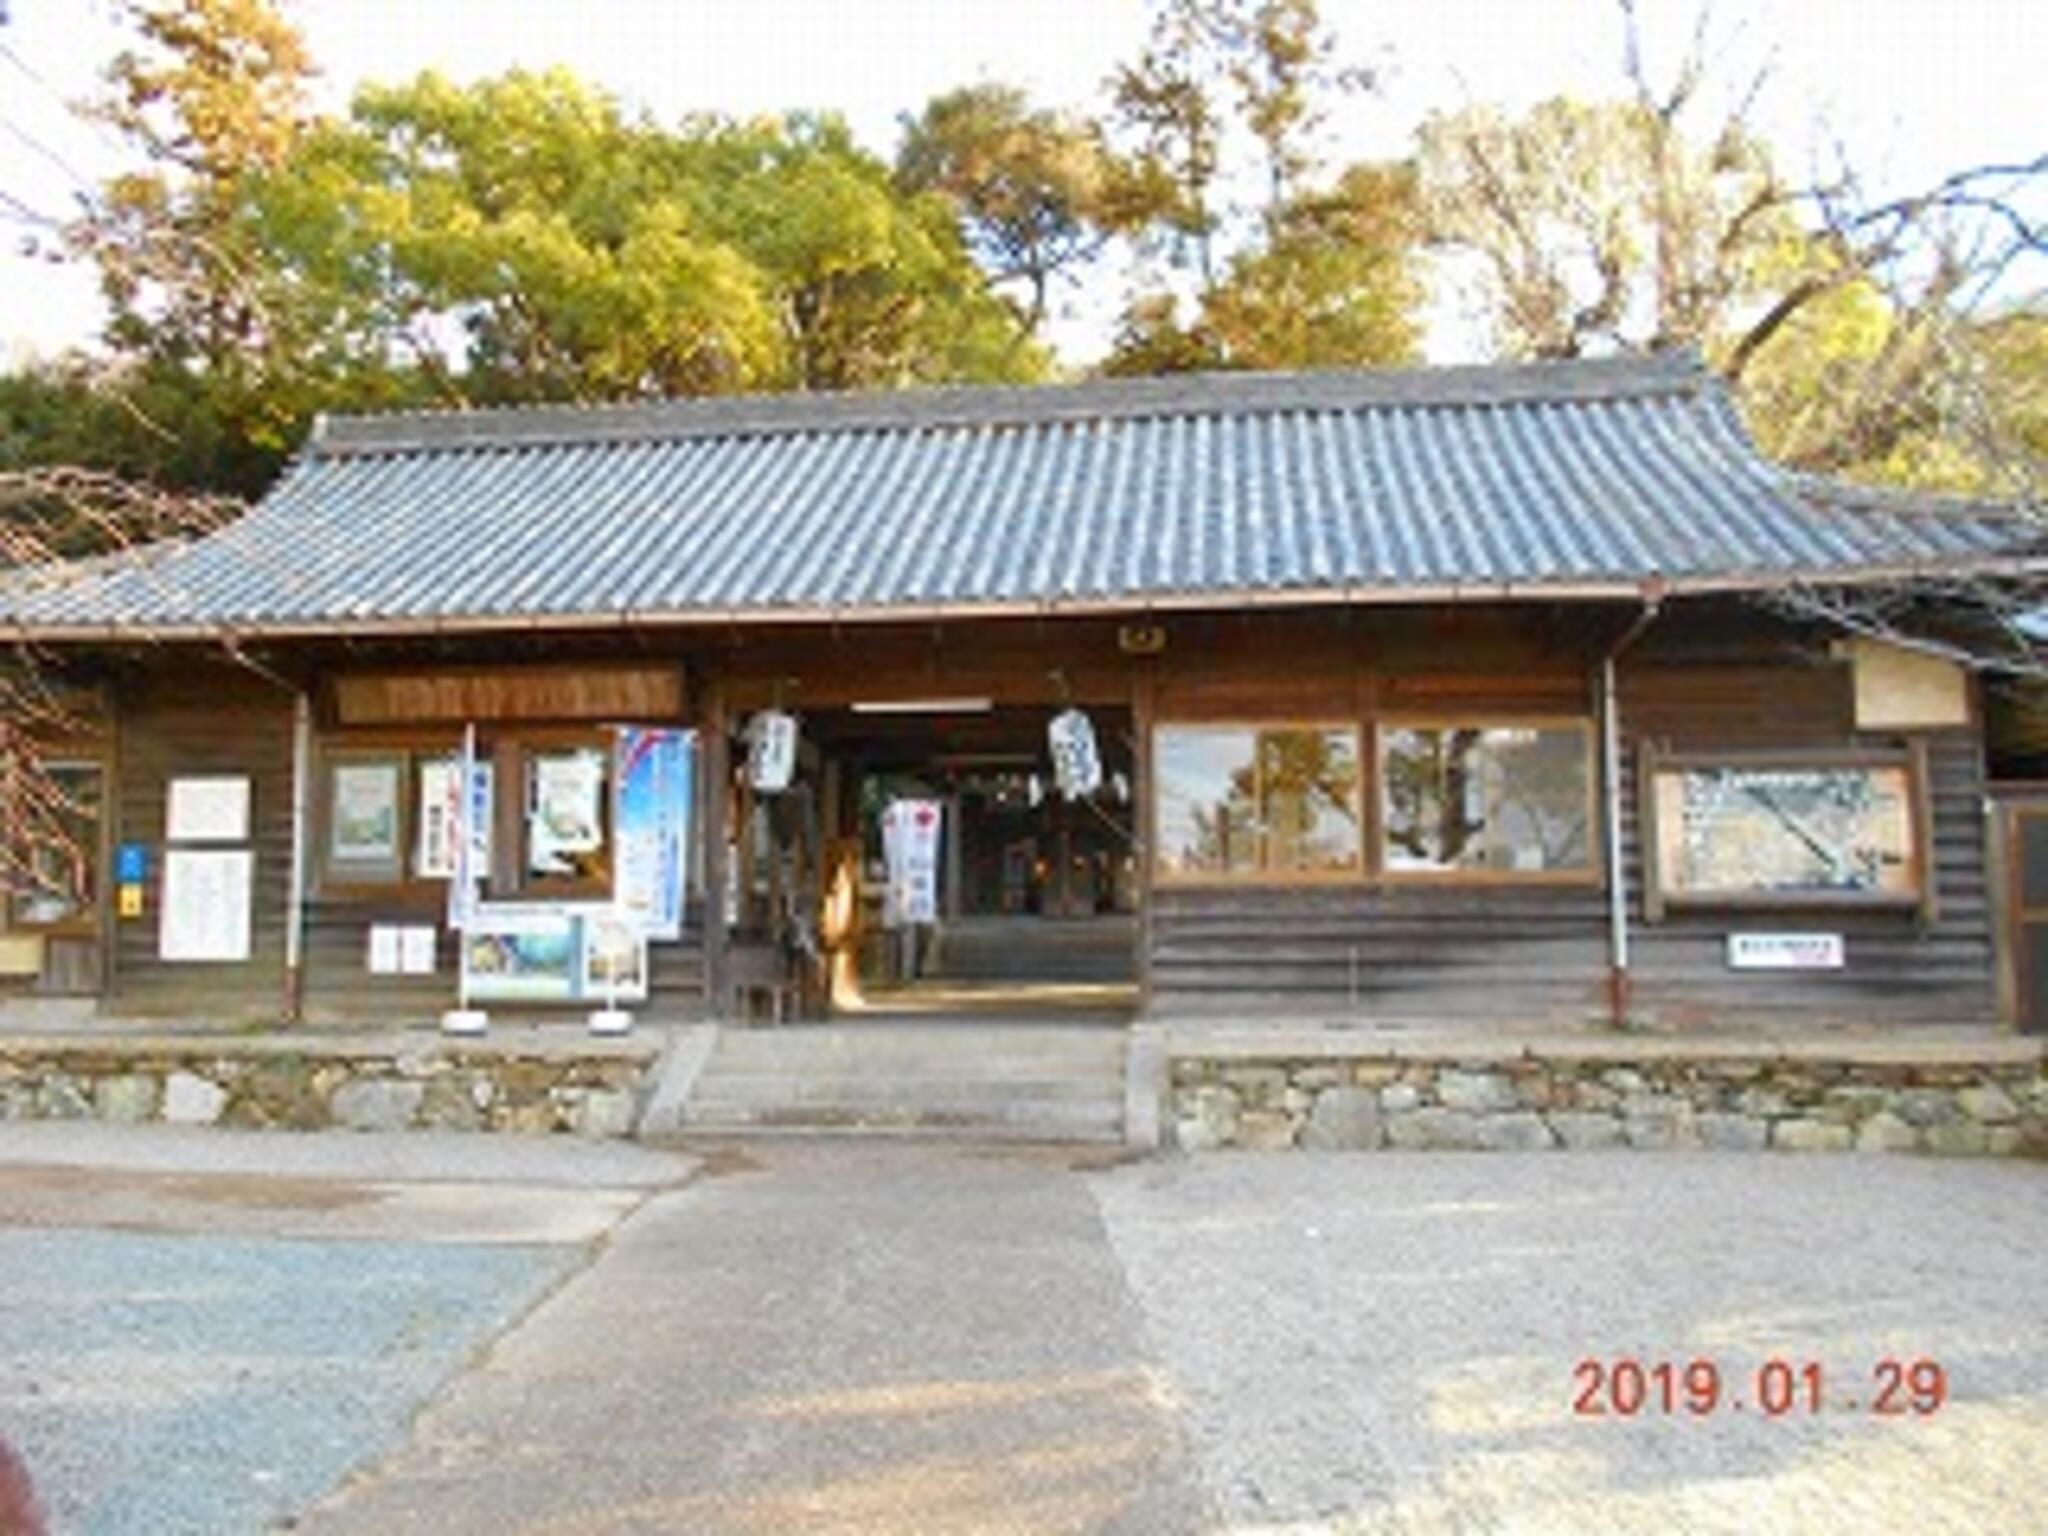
[1206, 490]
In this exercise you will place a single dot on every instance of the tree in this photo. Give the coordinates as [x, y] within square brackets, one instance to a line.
[1847, 322]
[213, 97]
[520, 239]
[1293, 268]
[1034, 189]
[94, 521]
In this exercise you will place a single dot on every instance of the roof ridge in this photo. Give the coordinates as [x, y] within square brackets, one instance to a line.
[957, 406]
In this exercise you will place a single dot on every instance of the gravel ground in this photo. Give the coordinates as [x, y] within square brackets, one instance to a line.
[168, 1384]
[1369, 1344]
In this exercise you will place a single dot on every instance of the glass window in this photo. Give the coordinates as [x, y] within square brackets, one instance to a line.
[567, 820]
[1250, 801]
[1786, 832]
[1493, 799]
[61, 877]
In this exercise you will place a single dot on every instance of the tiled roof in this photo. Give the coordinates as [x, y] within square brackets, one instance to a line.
[1573, 479]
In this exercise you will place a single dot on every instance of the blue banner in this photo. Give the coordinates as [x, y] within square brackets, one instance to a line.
[653, 828]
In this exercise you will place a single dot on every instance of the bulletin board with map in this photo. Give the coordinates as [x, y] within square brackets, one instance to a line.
[1785, 833]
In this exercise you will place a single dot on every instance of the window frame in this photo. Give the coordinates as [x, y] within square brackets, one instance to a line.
[1594, 874]
[1359, 870]
[1919, 896]
[86, 921]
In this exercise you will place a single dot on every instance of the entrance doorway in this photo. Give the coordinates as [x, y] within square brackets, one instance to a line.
[1034, 911]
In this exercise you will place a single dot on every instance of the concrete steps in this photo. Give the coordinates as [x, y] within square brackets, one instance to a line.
[1021, 1082]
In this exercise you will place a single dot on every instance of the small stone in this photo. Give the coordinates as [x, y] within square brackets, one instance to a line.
[1375, 1074]
[1988, 1104]
[1400, 1098]
[1208, 1118]
[1585, 1130]
[1811, 1136]
[1521, 1131]
[1732, 1133]
[2004, 1141]
[1958, 1138]
[1623, 1079]
[1479, 1092]
[605, 1113]
[1762, 1102]
[1343, 1120]
[1853, 1102]
[1296, 1100]
[1434, 1129]
[1265, 1130]
[1661, 1130]
[1317, 1077]
[62, 1098]
[1886, 1132]
[129, 1099]
[1257, 1087]
[1924, 1106]
[190, 1099]
[377, 1104]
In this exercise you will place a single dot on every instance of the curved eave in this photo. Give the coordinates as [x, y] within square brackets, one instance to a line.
[1628, 590]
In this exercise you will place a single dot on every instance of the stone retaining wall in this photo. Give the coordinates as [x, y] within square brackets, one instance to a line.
[1535, 1103]
[326, 1085]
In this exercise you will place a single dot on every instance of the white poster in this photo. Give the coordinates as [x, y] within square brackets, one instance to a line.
[440, 814]
[614, 960]
[910, 848]
[211, 809]
[383, 959]
[416, 950]
[206, 904]
[565, 816]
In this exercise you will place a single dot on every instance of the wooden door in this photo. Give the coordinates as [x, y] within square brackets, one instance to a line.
[2026, 928]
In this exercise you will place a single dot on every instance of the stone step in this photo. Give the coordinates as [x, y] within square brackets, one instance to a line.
[887, 1088]
[1041, 1122]
[1058, 1083]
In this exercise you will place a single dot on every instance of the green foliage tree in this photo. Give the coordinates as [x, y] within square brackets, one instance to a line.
[521, 239]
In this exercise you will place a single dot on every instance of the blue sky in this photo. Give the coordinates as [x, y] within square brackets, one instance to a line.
[1914, 87]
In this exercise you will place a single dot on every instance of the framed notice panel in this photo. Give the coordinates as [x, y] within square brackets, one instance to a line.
[1786, 833]
[206, 904]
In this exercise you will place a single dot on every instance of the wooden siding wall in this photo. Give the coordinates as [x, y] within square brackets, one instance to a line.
[1899, 969]
[203, 718]
[1707, 680]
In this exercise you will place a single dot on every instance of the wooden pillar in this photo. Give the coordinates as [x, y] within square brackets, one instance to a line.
[717, 787]
[1144, 704]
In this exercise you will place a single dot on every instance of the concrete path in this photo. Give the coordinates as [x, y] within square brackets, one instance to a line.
[820, 1338]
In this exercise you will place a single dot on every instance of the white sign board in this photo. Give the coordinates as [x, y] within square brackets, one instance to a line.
[214, 809]
[1785, 951]
[910, 847]
[206, 904]
[383, 959]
